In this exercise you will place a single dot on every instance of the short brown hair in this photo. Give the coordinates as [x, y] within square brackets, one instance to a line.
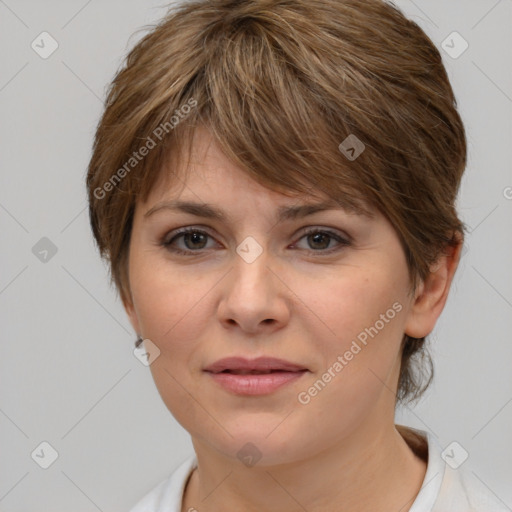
[281, 84]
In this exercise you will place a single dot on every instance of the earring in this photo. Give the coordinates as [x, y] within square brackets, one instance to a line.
[138, 342]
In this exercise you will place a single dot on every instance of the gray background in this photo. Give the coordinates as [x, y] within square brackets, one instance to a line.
[68, 374]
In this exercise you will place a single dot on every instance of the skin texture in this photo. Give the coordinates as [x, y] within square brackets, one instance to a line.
[341, 451]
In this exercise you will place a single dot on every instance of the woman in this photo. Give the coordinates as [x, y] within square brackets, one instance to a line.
[273, 184]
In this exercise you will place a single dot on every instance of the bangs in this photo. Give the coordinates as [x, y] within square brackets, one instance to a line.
[276, 122]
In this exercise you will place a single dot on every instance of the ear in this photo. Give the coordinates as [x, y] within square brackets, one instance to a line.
[432, 292]
[131, 312]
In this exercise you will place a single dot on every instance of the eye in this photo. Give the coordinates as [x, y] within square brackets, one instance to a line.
[319, 240]
[193, 238]
[196, 240]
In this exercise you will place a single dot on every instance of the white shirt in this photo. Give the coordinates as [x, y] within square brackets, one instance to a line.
[444, 489]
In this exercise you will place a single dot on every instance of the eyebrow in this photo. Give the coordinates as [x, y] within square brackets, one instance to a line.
[209, 211]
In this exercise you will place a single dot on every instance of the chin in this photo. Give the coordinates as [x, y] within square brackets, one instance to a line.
[259, 439]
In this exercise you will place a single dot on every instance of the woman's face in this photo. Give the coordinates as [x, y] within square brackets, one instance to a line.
[334, 302]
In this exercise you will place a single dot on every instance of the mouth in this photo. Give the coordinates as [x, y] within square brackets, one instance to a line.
[260, 365]
[259, 376]
[256, 372]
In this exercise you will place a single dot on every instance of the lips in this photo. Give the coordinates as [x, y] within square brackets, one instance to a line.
[254, 377]
[251, 372]
[259, 366]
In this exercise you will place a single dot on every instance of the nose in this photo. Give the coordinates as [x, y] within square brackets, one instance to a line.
[254, 299]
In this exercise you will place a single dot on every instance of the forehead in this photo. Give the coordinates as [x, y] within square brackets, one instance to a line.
[205, 174]
[207, 170]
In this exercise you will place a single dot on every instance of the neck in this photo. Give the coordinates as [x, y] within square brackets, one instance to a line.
[354, 476]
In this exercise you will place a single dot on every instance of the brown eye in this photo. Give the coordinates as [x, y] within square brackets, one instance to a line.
[193, 240]
[321, 241]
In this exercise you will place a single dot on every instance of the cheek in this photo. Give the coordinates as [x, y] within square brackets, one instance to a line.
[172, 311]
[363, 318]
[166, 299]
[356, 305]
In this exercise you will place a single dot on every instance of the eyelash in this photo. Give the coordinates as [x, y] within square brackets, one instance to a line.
[167, 244]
